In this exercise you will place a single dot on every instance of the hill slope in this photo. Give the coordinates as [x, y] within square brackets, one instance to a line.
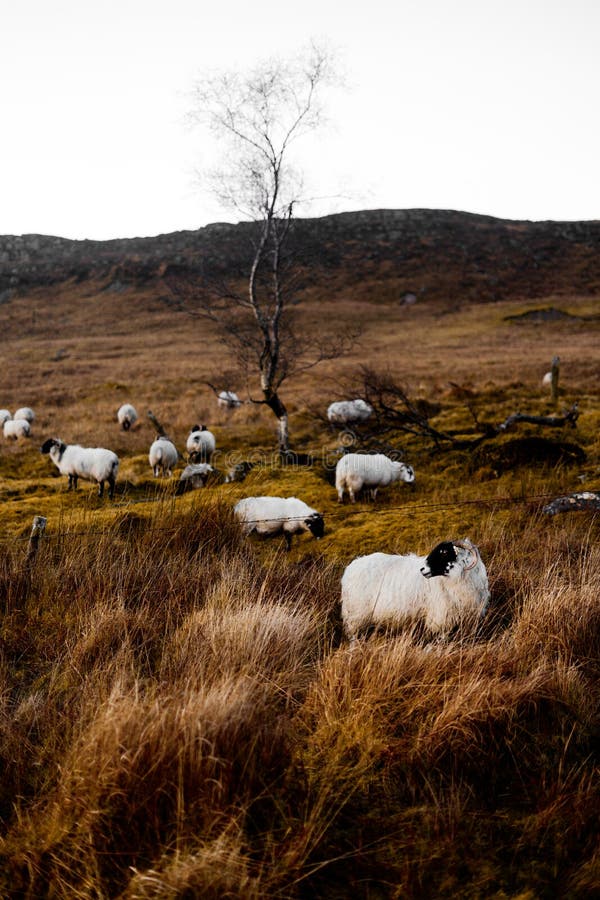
[438, 254]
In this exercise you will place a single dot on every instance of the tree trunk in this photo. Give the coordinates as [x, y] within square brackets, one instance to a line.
[283, 436]
[554, 382]
[275, 403]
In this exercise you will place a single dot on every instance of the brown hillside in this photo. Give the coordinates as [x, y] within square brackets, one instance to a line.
[374, 254]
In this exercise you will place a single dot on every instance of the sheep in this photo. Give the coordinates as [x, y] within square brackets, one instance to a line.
[348, 412]
[547, 380]
[228, 400]
[239, 471]
[4, 416]
[200, 444]
[90, 463]
[163, 456]
[194, 476]
[127, 416]
[269, 516]
[355, 471]
[16, 428]
[25, 412]
[447, 588]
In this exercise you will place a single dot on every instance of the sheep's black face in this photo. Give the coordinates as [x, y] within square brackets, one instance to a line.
[408, 475]
[48, 445]
[440, 560]
[316, 525]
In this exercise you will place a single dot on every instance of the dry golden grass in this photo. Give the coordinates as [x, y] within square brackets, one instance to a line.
[179, 715]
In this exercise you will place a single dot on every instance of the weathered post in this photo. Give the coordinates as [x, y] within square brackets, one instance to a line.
[37, 531]
[554, 372]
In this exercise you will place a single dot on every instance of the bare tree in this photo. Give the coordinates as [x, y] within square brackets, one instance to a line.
[257, 118]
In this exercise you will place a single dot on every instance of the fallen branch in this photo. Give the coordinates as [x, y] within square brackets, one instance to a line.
[584, 500]
[569, 417]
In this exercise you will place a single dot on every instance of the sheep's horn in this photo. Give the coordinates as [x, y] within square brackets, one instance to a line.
[472, 550]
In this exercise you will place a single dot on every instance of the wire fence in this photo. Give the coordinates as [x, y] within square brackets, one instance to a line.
[341, 512]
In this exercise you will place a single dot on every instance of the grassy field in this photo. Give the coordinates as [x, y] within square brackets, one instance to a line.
[181, 716]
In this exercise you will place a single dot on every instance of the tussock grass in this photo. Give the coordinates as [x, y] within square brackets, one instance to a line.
[180, 718]
[179, 714]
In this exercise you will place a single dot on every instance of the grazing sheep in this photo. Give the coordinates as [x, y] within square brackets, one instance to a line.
[228, 400]
[440, 591]
[127, 416]
[4, 416]
[355, 471]
[16, 428]
[200, 444]
[25, 412]
[348, 412]
[193, 477]
[89, 463]
[239, 471]
[269, 516]
[163, 456]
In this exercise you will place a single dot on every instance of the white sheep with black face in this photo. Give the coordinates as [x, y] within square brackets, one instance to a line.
[349, 412]
[25, 412]
[90, 463]
[127, 416]
[163, 456]
[16, 428]
[356, 471]
[228, 400]
[269, 516]
[201, 444]
[194, 476]
[441, 591]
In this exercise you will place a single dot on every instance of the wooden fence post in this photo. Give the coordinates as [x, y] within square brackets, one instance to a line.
[37, 531]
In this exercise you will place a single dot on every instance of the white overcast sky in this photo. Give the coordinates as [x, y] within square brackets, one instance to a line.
[488, 106]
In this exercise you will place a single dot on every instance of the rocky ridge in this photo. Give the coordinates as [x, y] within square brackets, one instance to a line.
[425, 253]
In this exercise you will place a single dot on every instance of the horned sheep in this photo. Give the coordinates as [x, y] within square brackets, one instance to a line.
[446, 589]
[127, 416]
[163, 456]
[201, 444]
[269, 516]
[90, 463]
[349, 412]
[356, 471]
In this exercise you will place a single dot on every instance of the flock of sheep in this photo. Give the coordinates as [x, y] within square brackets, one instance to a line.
[443, 591]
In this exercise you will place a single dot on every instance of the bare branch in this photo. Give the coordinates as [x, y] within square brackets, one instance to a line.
[569, 417]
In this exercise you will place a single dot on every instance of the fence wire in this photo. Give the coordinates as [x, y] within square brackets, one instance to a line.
[340, 513]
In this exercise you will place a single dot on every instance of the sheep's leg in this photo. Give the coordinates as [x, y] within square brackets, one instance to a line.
[101, 488]
[70, 484]
[75, 477]
[156, 471]
[373, 494]
[111, 486]
[352, 494]
[288, 540]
